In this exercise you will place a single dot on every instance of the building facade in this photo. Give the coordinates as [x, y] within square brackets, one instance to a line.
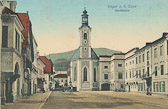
[12, 38]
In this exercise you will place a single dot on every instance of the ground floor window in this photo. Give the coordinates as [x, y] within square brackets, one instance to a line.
[159, 86]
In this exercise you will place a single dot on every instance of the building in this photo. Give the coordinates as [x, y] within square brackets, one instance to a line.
[105, 73]
[130, 72]
[118, 72]
[48, 71]
[84, 61]
[40, 76]
[61, 79]
[12, 38]
[27, 53]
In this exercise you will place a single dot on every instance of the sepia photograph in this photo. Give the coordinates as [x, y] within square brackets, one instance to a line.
[83, 54]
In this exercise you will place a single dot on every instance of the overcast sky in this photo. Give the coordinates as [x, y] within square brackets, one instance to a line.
[56, 22]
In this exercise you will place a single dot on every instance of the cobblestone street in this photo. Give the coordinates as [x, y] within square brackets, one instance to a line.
[100, 99]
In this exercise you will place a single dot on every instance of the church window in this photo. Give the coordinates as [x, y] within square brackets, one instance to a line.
[94, 74]
[85, 74]
[85, 49]
[85, 35]
[75, 74]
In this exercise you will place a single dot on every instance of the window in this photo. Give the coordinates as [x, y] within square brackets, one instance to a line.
[62, 80]
[119, 75]
[163, 86]
[139, 73]
[155, 52]
[136, 60]
[133, 62]
[85, 74]
[155, 70]
[136, 74]
[153, 86]
[94, 74]
[4, 36]
[130, 62]
[85, 35]
[162, 70]
[75, 74]
[119, 65]
[139, 59]
[126, 75]
[161, 50]
[85, 49]
[130, 74]
[147, 71]
[106, 67]
[143, 57]
[126, 64]
[147, 55]
[16, 40]
[143, 72]
[105, 76]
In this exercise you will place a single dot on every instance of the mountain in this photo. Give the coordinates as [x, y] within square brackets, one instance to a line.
[61, 60]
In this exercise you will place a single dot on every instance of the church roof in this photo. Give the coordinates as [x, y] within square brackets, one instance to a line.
[76, 55]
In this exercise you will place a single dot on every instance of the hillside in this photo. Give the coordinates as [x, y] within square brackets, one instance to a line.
[61, 60]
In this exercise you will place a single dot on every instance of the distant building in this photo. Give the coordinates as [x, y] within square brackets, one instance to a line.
[40, 76]
[61, 79]
[48, 72]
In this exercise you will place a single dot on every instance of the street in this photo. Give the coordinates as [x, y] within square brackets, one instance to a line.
[104, 99]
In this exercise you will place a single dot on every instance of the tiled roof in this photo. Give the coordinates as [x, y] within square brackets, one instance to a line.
[60, 76]
[48, 63]
[24, 17]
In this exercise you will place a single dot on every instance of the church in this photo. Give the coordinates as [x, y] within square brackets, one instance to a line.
[84, 63]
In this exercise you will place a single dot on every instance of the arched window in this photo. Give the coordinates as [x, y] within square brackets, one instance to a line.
[75, 74]
[85, 74]
[85, 35]
[94, 74]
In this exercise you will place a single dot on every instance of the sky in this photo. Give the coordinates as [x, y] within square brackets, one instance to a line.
[56, 23]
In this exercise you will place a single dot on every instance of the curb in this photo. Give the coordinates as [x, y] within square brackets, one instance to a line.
[43, 102]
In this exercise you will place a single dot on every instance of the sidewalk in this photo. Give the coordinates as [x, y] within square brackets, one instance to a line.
[35, 101]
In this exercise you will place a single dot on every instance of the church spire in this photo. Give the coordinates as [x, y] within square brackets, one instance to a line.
[85, 18]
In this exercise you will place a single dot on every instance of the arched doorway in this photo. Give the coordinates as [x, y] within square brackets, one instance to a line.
[105, 87]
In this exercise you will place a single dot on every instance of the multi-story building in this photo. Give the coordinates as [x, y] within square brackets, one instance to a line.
[118, 72]
[130, 72]
[104, 78]
[12, 38]
[27, 52]
[40, 76]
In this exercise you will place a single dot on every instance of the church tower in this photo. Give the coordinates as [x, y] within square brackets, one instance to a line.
[85, 37]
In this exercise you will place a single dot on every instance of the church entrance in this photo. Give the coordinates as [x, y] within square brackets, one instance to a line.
[105, 87]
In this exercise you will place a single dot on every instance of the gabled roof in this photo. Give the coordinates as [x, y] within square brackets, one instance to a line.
[60, 76]
[24, 17]
[48, 63]
[76, 55]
